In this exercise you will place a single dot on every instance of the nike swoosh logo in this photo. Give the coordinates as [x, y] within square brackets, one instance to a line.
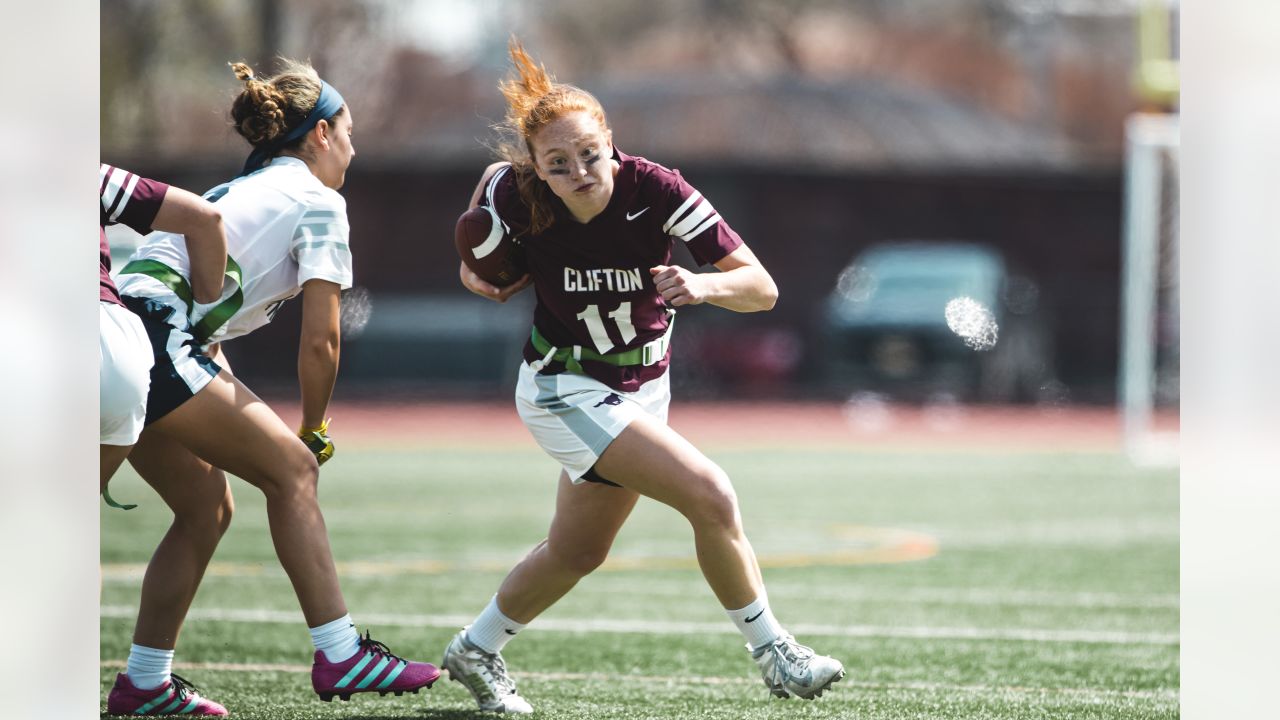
[509, 632]
[633, 217]
[755, 617]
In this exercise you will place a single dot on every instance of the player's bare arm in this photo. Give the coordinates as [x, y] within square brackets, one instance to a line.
[318, 348]
[199, 221]
[742, 285]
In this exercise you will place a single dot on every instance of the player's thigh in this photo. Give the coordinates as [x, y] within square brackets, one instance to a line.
[657, 462]
[190, 486]
[229, 426]
[588, 516]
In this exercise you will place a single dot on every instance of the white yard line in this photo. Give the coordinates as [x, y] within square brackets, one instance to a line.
[932, 595]
[1169, 695]
[132, 573]
[651, 627]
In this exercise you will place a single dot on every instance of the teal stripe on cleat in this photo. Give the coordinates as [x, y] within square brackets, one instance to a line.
[368, 678]
[391, 676]
[170, 707]
[154, 702]
[195, 700]
[354, 671]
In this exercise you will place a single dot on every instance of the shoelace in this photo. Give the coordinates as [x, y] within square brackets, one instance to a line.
[795, 655]
[369, 644]
[795, 652]
[184, 687]
[497, 669]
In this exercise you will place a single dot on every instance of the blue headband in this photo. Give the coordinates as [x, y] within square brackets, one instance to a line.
[327, 105]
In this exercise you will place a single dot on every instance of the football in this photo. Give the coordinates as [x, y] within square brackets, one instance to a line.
[486, 247]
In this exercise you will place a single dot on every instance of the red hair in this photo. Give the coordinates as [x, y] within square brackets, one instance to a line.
[534, 99]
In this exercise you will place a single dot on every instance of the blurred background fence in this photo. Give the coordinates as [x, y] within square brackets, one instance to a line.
[820, 129]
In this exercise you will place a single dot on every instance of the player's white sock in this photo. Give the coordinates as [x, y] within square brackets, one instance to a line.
[338, 640]
[492, 630]
[148, 668]
[756, 623]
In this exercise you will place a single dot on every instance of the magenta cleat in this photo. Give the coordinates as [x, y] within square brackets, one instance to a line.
[372, 669]
[175, 697]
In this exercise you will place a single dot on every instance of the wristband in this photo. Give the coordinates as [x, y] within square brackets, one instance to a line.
[323, 429]
[317, 441]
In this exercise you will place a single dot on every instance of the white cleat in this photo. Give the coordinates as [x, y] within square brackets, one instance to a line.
[789, 668]
[485, 675]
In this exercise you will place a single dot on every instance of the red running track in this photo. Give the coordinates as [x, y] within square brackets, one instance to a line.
[746, 424]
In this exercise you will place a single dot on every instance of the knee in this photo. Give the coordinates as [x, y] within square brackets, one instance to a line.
[206, 523]
[714, 503]
[295, 475]
[579, 560]
[305, 473]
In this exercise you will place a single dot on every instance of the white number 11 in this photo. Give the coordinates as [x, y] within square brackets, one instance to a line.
[594, 319]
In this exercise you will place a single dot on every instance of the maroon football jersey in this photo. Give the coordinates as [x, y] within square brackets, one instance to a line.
[592, 280]
[129, 200]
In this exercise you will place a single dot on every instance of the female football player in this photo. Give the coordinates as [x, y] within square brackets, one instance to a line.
[287, 234]
[596, 226]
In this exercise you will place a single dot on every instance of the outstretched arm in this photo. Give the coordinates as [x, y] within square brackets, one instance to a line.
[742, 285]
[200, 222]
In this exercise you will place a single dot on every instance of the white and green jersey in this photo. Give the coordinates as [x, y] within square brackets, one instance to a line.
[284, 227]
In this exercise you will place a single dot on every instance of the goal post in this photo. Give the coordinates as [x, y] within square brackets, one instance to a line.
[1149, 357]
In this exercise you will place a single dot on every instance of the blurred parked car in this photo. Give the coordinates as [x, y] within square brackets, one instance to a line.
[886, 327]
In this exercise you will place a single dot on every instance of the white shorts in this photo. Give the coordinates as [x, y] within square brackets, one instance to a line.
[574, 417]
[124, 375]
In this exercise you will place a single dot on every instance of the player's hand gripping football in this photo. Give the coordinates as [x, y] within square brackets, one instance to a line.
[317, 441]
[484, 289]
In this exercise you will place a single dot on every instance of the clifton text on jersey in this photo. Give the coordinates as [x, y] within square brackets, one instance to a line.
[597, 279]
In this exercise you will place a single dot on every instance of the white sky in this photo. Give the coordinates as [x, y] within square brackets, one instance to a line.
[452, 28]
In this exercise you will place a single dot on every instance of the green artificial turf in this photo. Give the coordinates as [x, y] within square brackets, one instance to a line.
[1050, 590]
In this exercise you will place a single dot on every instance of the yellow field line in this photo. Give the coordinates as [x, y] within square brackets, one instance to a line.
[863, 545]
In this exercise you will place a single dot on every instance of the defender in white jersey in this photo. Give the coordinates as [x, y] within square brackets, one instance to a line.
[287, 234]
[284, 228]
[596, 227]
